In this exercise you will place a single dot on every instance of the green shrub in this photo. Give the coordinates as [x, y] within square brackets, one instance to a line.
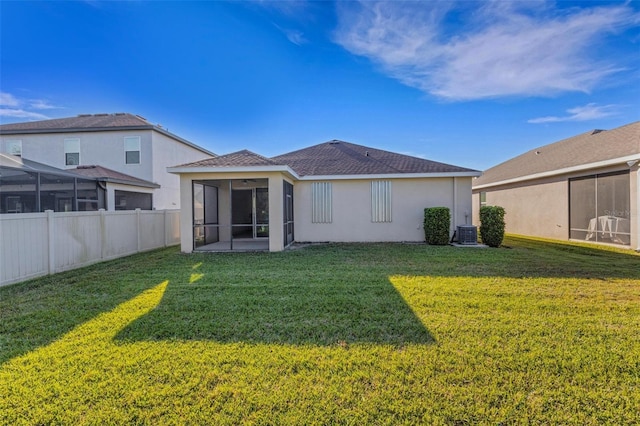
[436, 225]
[492, 225]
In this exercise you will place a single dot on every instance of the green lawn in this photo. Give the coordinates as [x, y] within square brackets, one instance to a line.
[533, 333]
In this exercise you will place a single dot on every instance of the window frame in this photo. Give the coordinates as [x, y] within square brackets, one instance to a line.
[9, 143]
[72, 146]
[138, 143]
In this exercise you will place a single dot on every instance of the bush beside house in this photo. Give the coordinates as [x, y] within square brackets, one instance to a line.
[436, 225]
[492, 225]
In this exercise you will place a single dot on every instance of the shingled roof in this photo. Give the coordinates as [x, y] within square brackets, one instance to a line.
[335, 158]
[343, 158]
[91, 123]
[242, 158]
[586, 149]
[107, 175]
[80, 122]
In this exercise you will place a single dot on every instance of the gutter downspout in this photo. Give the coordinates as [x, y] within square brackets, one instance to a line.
[455, 202]
[638, 209]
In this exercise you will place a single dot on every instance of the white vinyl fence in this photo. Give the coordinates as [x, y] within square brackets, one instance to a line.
[35, 244]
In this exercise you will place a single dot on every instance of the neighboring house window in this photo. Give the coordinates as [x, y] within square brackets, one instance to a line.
[126, 200]
[72, 152]
[381, 201]
[321, 202]
[600, 208]
[132, 150]
[483, 199]
[13, 147]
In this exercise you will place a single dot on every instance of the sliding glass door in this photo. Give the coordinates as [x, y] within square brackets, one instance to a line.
[250, 213]
[600, 208]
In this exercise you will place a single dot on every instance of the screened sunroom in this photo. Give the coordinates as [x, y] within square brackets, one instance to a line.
[231, 214]
[31, 187]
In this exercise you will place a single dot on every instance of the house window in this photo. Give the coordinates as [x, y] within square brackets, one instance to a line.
[321, 202]
[381, 201]
[13, 147]
[72, 152]
[600, 208]
[132, 150]
[483, 199]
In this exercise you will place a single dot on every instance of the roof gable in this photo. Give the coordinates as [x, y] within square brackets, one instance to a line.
[243, 158]
[587, 148]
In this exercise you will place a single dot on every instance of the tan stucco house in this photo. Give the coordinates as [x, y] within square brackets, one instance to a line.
[332, 192]
[584, 188]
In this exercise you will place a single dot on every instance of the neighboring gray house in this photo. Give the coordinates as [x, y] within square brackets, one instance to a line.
[335, 191]
[584, 188]
[125, 144]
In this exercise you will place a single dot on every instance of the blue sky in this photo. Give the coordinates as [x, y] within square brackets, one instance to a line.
[469, 83]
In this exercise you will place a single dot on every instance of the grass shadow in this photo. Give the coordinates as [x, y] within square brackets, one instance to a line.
[302, 313]
[36, 312]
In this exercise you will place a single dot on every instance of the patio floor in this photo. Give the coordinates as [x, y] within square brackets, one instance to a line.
[238, 245]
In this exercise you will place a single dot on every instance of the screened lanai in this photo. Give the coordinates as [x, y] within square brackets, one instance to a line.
[30, 187]
[231, 214]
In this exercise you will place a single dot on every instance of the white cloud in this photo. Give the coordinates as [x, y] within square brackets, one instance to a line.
[475, 50]
[7, 99]
[582, 113]
[41, 104]
[294, 36]
[12, 106]
[20, 113]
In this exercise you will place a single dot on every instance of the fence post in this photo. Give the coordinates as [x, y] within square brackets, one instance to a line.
[138, 231]
[165, 226]
[103, 233]
[51, 243]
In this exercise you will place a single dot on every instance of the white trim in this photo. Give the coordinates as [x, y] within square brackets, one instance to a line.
[581, 167]
[391, 176]
[233, 169]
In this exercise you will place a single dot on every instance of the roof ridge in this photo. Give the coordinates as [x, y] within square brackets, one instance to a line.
[259, 155]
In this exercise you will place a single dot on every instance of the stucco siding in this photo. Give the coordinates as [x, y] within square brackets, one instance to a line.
[168, 152]
[351, 215]
[540, 208]
[96, 148]
[535, 210]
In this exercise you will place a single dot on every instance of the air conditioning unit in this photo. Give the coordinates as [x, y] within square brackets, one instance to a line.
[467, 234]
